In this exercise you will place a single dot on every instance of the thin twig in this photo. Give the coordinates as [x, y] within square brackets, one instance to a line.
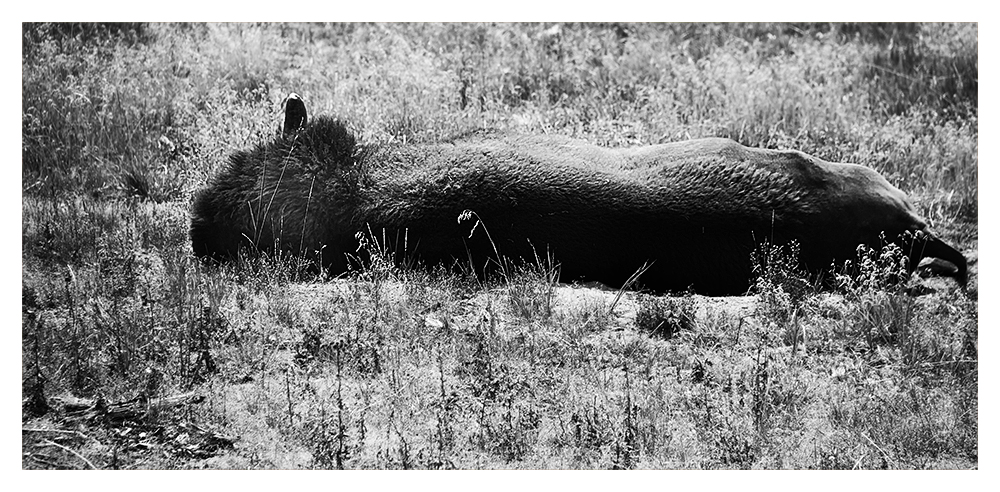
[60, 446]
[893, 72]
[43, 461]
[885, 455]
[628, 283]
[941, 363]
[58, 431]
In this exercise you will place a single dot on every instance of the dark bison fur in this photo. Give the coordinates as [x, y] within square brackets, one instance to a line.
[695, 210]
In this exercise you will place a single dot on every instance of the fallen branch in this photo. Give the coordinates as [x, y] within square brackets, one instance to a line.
[124, 410]
[140, 407]
[174, 401]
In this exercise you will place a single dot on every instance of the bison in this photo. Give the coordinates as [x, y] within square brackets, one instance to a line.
[692, 211]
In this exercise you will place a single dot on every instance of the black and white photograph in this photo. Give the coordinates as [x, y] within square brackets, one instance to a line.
[500, 245]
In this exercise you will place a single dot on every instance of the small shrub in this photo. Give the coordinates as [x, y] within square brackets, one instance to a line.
[782, 288]
[664, 316]
[876, 287]
[531, 288]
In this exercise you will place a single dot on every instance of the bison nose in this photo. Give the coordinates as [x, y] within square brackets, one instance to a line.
[936, 267]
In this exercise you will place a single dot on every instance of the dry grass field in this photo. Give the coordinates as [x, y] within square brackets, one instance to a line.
[135, 354]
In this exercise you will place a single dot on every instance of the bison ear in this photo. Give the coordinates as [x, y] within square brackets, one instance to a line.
[295, 114]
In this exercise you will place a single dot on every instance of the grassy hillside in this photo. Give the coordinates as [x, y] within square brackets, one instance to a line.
[398, 368]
